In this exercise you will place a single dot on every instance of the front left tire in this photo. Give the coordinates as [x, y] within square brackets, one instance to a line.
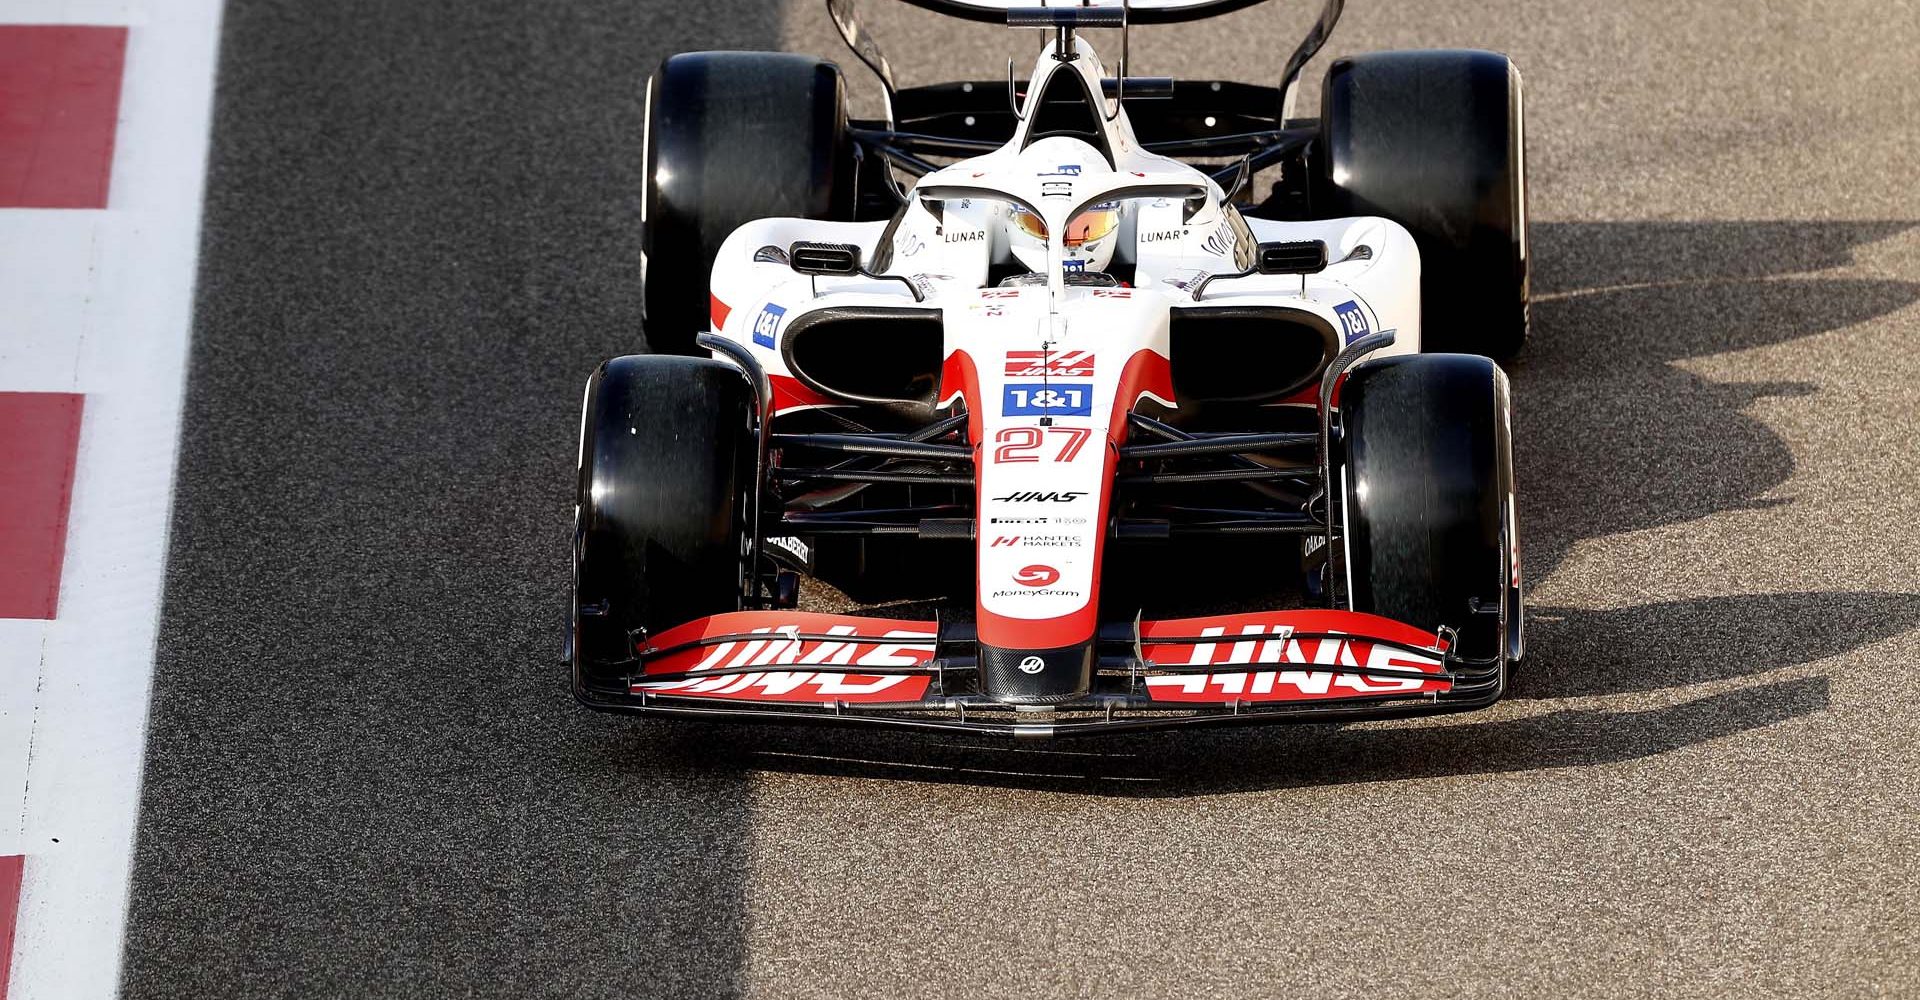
[667, 470]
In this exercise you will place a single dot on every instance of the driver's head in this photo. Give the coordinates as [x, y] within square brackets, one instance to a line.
[1091, 234]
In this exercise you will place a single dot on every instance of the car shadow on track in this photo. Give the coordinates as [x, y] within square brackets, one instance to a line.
[1612, 436]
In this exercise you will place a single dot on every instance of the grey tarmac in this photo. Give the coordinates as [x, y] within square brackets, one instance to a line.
[365, 776]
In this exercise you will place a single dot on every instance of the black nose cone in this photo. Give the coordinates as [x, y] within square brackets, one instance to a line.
[1036, 676]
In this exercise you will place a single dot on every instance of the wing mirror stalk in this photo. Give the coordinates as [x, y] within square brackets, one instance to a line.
[1301, 257]
[840, 260]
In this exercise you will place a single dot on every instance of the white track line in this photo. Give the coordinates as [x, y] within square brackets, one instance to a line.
[125, 346]
[116, 12]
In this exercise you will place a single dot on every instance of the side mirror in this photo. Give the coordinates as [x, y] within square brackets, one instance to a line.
[1301, 257]
[840, 260]
[832, 258]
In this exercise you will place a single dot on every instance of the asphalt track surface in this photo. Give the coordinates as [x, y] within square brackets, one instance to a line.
[365, 776]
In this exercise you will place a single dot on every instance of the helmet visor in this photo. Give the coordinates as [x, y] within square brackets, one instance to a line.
[1092, 224]
[1030, 223]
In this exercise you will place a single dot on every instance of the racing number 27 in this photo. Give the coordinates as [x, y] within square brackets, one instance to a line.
[1018, 444]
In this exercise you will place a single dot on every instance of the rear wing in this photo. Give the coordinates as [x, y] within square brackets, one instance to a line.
[1137, 11]
[1064, 17]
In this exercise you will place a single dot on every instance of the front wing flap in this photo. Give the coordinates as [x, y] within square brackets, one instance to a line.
[1262, 667]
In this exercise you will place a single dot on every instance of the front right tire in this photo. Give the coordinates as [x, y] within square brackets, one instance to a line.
[1426, 484]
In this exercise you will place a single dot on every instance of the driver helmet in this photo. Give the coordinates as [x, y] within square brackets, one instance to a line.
[1091, 234]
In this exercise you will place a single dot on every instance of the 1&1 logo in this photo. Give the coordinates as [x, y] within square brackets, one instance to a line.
[1042, 399]
[767, 324]
[1353, 322]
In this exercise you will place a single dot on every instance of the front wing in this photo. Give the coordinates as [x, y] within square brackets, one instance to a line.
[790, 666]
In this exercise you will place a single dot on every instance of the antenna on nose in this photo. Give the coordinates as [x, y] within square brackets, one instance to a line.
[1064, 21]
[1120, 81]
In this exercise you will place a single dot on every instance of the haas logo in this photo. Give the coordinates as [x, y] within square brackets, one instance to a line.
[1030, 496]
[1036, 576]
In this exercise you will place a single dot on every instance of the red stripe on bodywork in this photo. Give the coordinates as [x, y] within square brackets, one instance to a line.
[39, 445]
[59, 108]
[718, 310]
[12, 868]
[1310, 395]
[958, 374]
[1145, 372]
[1307, 396]
[790, 393]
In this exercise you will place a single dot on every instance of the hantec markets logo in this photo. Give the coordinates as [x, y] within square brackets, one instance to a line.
[1036, 541]
[1036, 576]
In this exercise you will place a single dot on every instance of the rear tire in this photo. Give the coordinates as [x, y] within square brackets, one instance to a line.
[733, 137]
[1427, 487]
[666, 466]
[1436, 142]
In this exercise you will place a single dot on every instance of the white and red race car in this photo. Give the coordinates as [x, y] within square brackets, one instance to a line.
[1005, 335]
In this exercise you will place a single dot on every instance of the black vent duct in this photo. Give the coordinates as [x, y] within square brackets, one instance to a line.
[1246, 354]
[874, 355]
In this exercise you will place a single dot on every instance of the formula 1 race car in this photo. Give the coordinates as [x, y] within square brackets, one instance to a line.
[1004, 337]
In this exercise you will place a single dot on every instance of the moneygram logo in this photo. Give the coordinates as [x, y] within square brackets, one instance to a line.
[1036, 576]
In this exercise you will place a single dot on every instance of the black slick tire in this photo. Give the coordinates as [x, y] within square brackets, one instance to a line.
[1435, 140]
[733, 137]
[666, 472]
[1426, 483]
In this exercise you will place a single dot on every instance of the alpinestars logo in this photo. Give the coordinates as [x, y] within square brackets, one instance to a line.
[1221, 241]
[1034, 364]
